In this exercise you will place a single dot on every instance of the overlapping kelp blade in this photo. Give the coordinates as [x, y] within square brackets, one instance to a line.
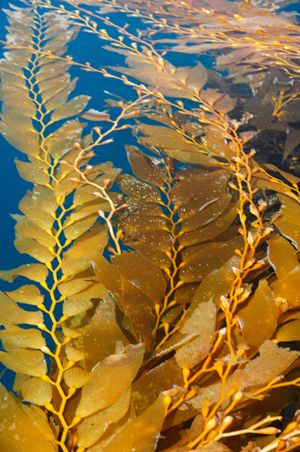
[138, 432]
[23, 427]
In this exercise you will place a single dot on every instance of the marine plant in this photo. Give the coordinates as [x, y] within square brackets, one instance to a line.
[159, 309]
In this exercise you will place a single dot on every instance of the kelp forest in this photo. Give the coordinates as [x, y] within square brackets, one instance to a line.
[157, 307]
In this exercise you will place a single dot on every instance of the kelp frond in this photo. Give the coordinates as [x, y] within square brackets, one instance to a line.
[160, 315]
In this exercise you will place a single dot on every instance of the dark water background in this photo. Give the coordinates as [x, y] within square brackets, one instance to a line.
[85, 48]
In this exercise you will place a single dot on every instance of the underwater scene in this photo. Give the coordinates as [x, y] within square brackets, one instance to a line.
[150, 226]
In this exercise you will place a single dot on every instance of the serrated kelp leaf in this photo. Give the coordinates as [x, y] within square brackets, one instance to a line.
[24, 428]
[73, 306]
[72, 108]
[34, 272]
[289, 332]
[29, 246]
[78, 228]
[73, 286]
[103, 333]
[171, 81]
[60, 142]
[151, 384]
[79, 256]
[174, 144]
[11, 313]
[145, 167]
[277, 248]
[36, 391]
[35, 171]
[134, 266]
[39, 206]
[92, 428]
[76, 377]
[27, 229]
[221, 102]
[109, 379]
[259, 317]
[141, 433]
[289, 219]
[196, 335]
[137, 190]
[271, 362]
[27, 294]
[215, 284]
[288, 288]
[22, 337]
[29, 362]
[130, 300]
[200, 260]
[74, 353]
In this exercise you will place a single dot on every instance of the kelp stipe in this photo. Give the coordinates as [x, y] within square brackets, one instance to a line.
[162, 346]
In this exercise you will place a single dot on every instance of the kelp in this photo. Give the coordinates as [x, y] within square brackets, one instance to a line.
[161, 307]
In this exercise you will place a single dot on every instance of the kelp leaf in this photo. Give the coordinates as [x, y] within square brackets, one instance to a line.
[23, 428]
[27, 294]
[259, 317]
[141, 433]
[92, 428]
[34, 272]
[103, 333]
[288, 222]
[277, 248]
[76, 377]
[196, 334]
[271, 362]
[79, 257]
[22, 337]
[289, 332]
[109, 379]
[72, 108]
[36, 391]
[29, 362]
[11, 313]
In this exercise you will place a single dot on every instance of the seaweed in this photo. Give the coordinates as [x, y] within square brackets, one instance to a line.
[161, 308]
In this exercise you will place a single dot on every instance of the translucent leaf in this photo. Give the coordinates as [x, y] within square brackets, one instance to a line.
[130, 300]
[27, 229]
[144, 167]
[24, 428]
[259, 317]
[35, 272]
[73, 287]
[34, 249]
[36, 391]
[141, 433]
[76, 377]
[289, 221]
[78, 228]
[278, 247]
[92, 428]
[10, 313]
[289, 332]
[72, 108]
[288, 288]
[64, 138]
[174, 144]
[271, 362]
[109, 379]
[134, 266]
[78, 258]
[196, 334]
[27, 294]
[22, 337]
[103, 333]
[29, 362]
[35, 172]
